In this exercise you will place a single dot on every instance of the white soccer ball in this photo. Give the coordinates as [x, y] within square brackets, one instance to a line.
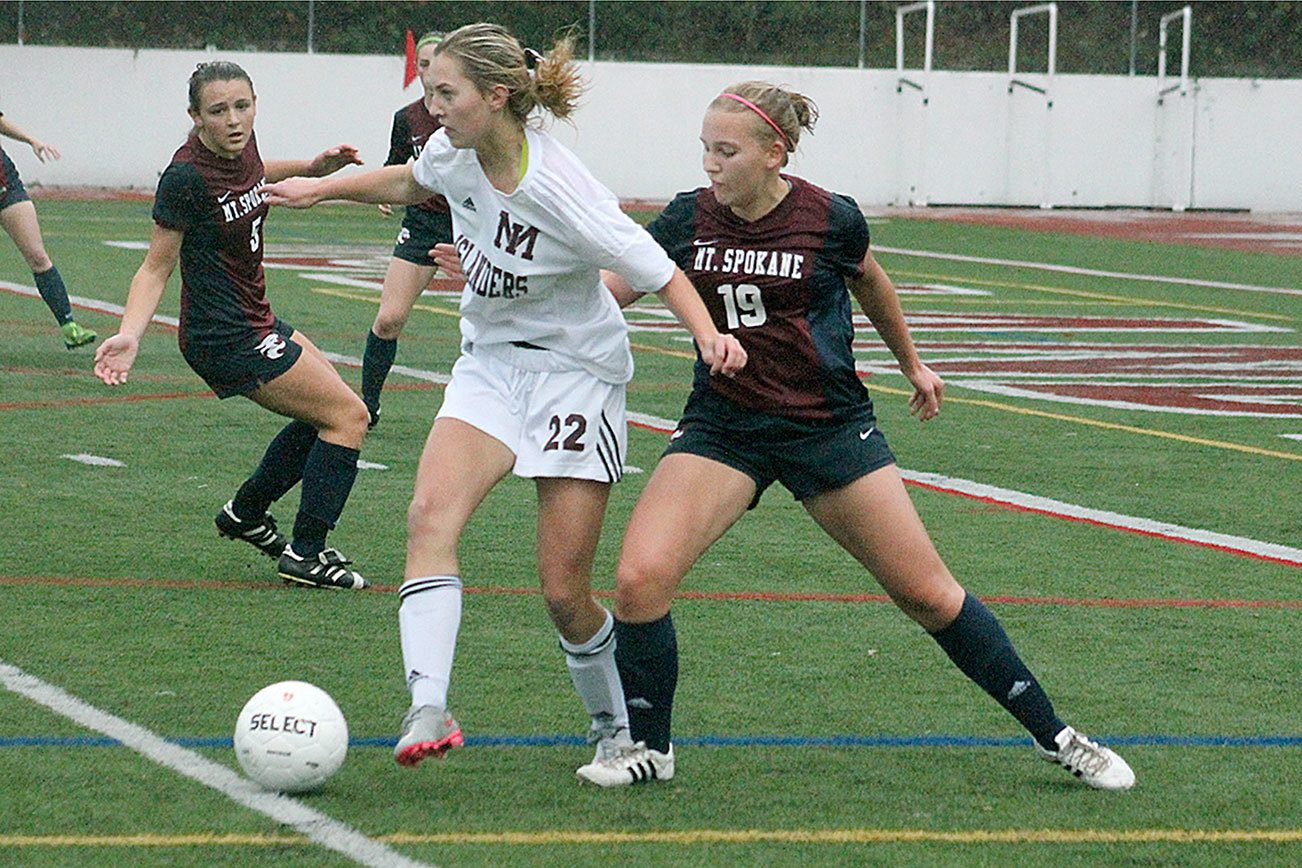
[291, 737]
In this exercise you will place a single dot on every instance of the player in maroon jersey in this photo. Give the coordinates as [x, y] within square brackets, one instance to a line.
[18, 217]
[424, 224]
[776, 260]
[209, 215]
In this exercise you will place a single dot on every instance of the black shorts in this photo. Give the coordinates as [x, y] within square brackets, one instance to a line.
[420, 231]
[806, 457]
[12, 190]
[239, 367]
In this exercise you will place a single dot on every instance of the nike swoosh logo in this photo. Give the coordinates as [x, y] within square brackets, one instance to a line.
[864, 435]
[696, 242]
[224, 196]
[676, 434]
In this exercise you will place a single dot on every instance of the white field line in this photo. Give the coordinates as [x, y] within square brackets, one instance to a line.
[1016, 499]
[1060, 509]
[93, 460]
[1094, 272]
[312, 824]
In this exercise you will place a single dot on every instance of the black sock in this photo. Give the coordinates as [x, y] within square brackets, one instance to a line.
[280, 470]
[376, 362]
[647, 658]
[979, 647]
[328, 477]
[55, 295]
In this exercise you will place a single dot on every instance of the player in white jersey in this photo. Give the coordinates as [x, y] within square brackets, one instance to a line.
[539, 387]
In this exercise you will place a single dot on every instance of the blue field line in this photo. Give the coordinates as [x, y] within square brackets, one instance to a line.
[1152, 740]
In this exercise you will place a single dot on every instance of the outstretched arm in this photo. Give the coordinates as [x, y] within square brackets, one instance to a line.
[327, 162]
[114, 358]
[391, 184]
[42, 150]
[723, 353]
[876, 295]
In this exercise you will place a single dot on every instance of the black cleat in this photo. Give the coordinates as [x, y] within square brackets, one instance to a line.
[327, 570]
[261, 534]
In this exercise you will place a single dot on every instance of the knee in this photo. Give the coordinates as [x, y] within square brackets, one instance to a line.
[389, 325]
[565, 606]
[351, 422]
[933, 606]
[643, 590]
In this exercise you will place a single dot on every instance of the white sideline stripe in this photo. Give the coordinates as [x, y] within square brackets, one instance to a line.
[370, 465]
[1060, 509]
[323, 829]
[1292, 436]
[93, 460]
[1093, 272]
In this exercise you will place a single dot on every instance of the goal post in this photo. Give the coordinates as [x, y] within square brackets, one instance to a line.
[1046, 91]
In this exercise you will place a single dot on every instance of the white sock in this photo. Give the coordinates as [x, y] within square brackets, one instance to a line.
[428, 619]
[592, 669]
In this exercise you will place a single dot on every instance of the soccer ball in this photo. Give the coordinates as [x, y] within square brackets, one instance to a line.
[291, 737]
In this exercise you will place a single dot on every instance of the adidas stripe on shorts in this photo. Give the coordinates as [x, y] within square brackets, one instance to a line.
[558, 423]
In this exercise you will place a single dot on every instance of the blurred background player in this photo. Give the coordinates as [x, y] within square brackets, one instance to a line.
[423, 225]
[209, 215]
[776, 261]
[18, 216]
[539, 388]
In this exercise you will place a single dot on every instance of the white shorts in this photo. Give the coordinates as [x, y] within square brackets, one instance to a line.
[558, 423]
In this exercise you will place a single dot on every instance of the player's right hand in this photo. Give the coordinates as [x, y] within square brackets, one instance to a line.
[445, 257]
[114, 358]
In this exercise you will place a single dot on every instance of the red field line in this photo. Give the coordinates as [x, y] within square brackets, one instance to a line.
[715, 596]
[108, 399]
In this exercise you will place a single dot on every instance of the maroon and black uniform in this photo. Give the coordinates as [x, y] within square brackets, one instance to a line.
[12, 190]
[797, 412]
[228, 333]
[429, 222]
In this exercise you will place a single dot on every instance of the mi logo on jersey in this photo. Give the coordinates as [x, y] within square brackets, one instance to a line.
[272, 346]
[511, 235]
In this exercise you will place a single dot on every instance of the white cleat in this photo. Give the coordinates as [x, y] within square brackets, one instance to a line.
[621, 763]
[1090, 761]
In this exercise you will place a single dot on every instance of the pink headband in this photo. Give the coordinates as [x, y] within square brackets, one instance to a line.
[759, 111]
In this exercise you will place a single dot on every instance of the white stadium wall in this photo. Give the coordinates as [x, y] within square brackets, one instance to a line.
[117, 116]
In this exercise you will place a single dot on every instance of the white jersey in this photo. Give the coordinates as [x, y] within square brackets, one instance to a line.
[532, 258]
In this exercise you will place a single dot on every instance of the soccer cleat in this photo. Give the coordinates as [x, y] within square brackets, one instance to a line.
[621, 763]
[327, 570]
[76, 335]
[1090, 761]
[427, 730]
[260, 534]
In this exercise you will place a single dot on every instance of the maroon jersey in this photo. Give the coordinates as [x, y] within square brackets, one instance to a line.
[212, 200]
[779, 285]
[412, 127]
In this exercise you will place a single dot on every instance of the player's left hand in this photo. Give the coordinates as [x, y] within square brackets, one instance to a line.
[725, 355]
[45, 152]
[333, 159]
[928, 389]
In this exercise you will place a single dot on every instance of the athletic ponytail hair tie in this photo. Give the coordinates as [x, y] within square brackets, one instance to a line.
[763, 116]
[532, 59]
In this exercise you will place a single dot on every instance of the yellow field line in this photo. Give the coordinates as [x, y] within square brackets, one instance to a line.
[699, 836]
[994, 405]
[1096, 296]
[375, 299]
[1096, 423]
